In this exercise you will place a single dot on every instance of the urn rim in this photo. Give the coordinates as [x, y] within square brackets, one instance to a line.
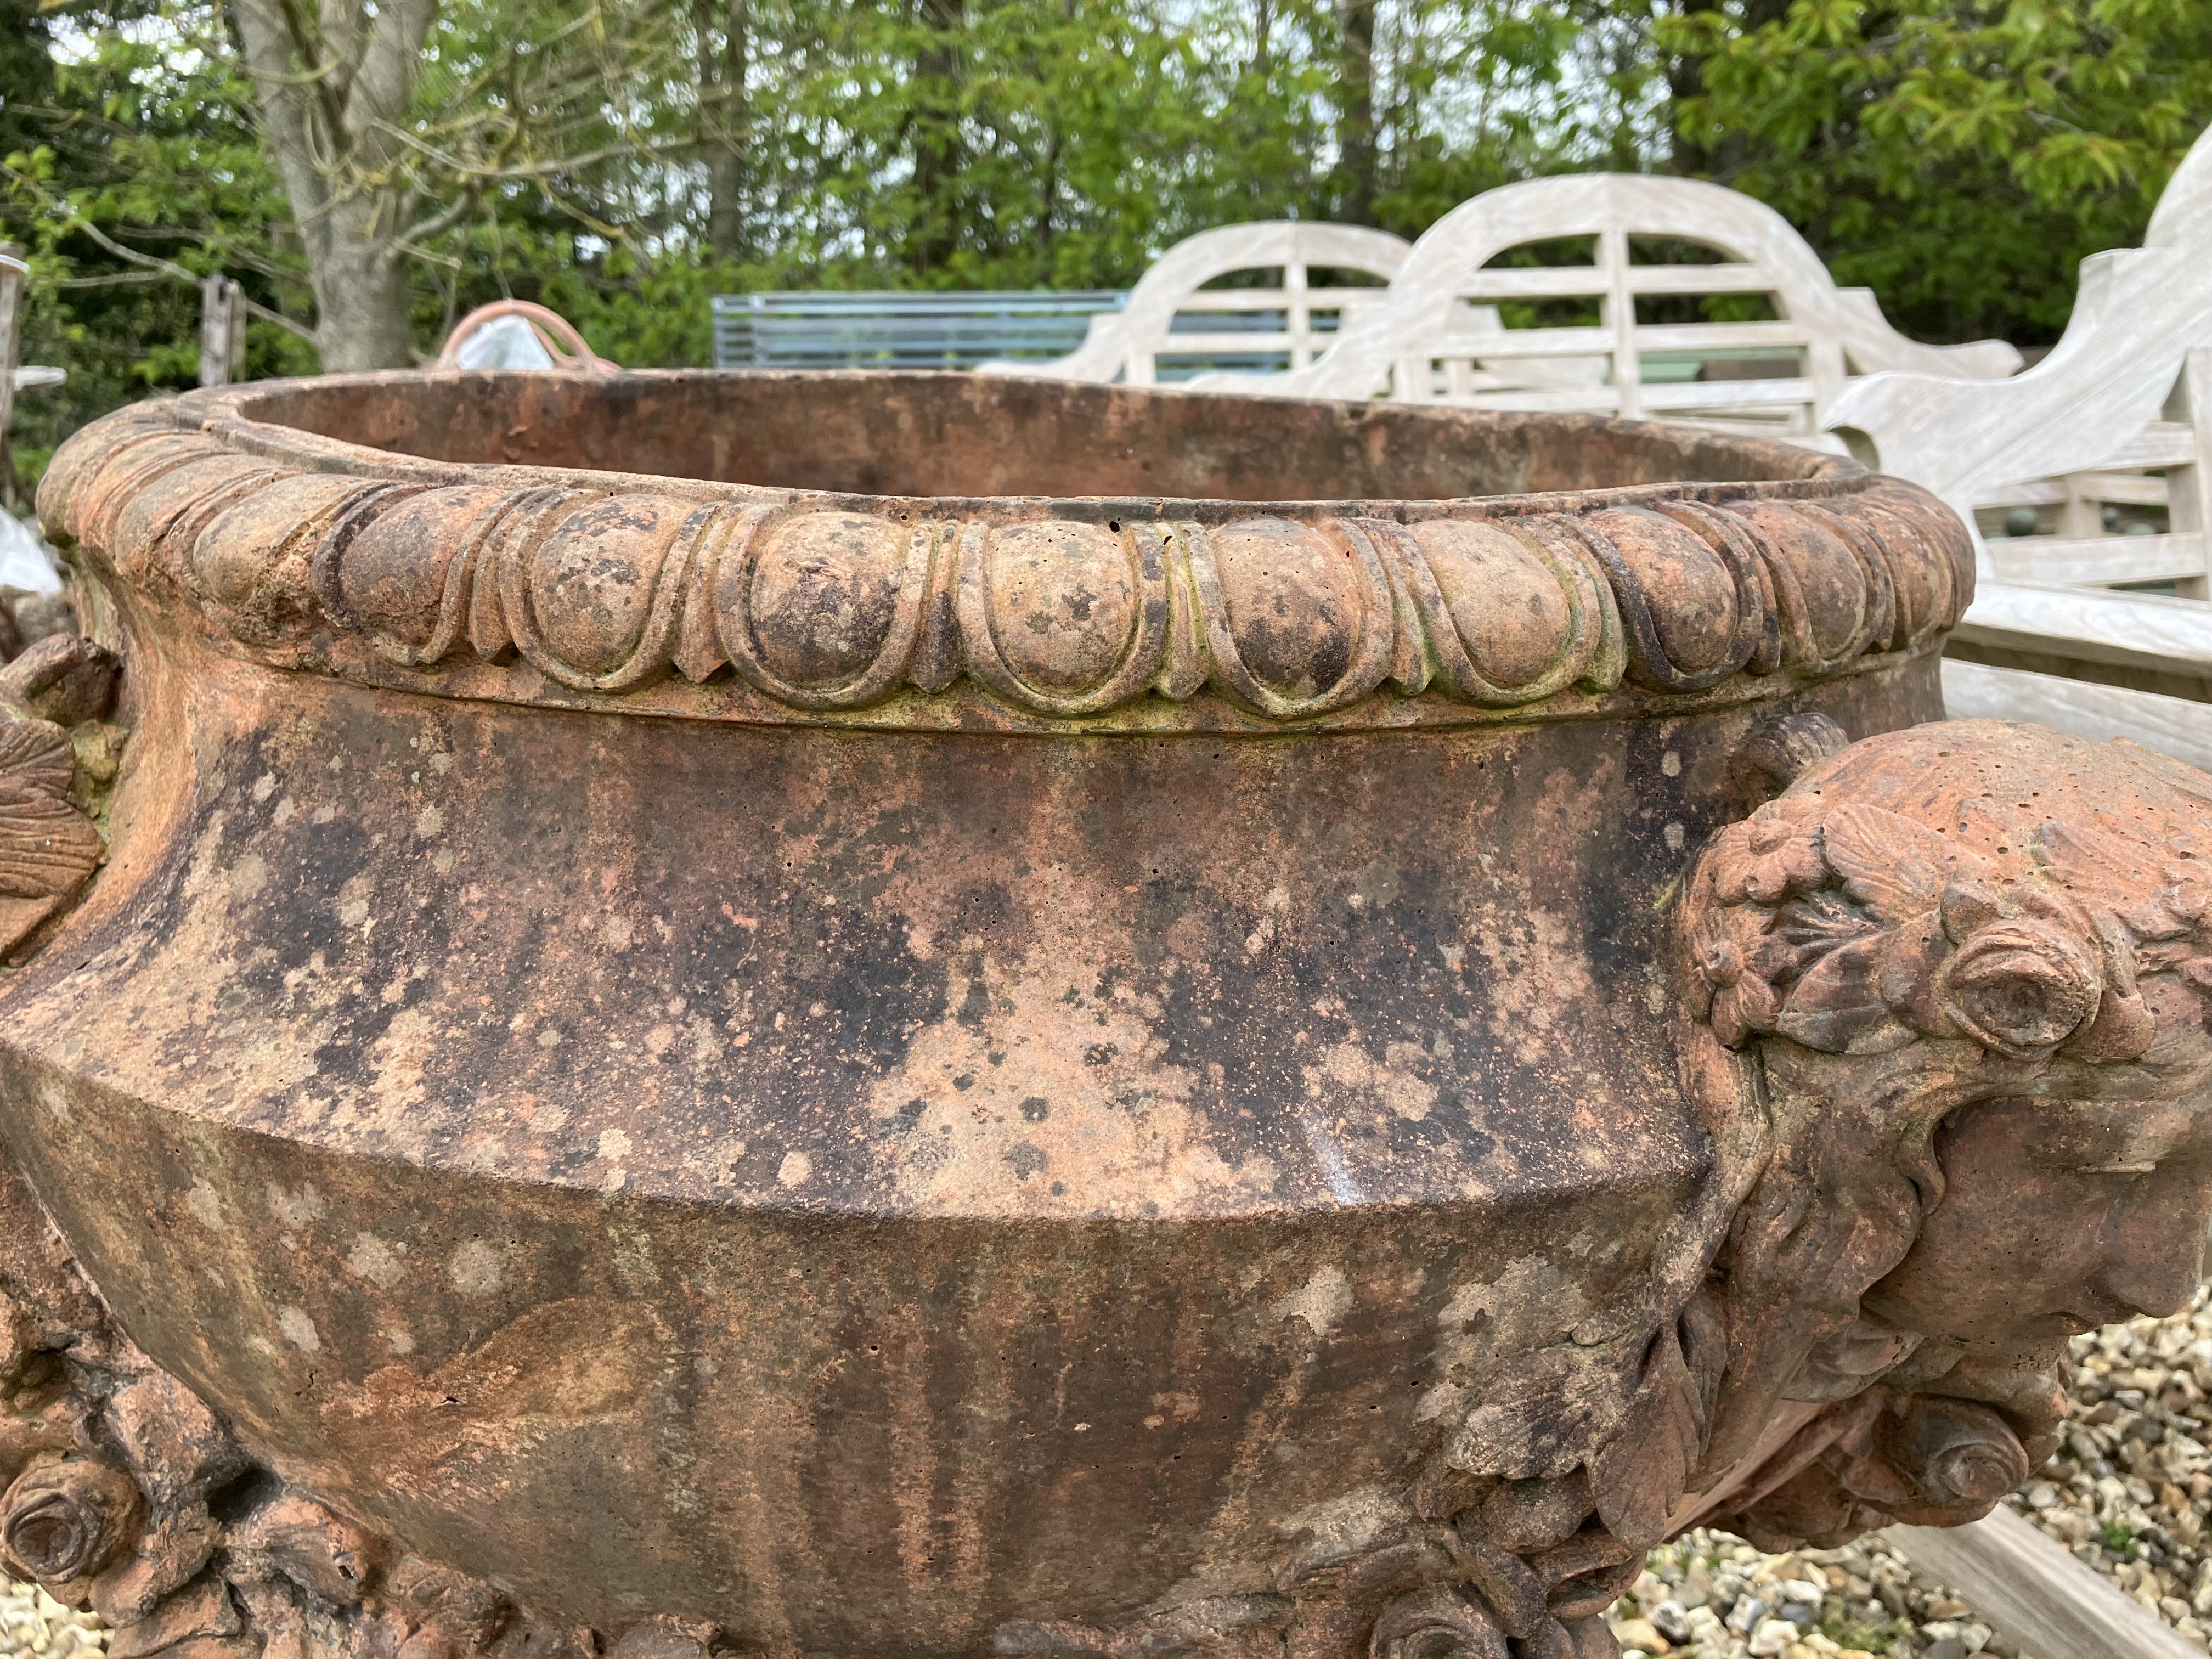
[624, 591]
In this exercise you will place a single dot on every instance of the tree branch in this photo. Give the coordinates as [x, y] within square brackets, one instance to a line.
[115, 279]
[288, 105]
[315, 62]
[385, 79]
[430, 229]
[343, 35]
[149, 263]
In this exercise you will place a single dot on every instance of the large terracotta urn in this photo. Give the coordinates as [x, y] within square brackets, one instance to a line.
[867, 1014]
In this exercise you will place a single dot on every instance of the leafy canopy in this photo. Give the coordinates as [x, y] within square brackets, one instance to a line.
[1958, 156]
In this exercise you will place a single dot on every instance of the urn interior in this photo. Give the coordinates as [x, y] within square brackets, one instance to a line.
[965, 435]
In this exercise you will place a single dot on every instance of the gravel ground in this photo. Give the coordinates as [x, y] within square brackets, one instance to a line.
[1711, 1595]
[2129, 1493]
[32, 1621]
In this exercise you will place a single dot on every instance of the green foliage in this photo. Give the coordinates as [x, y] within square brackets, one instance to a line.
[999, 146]
[144, 135]
[1958, 156]
[1849, 1631]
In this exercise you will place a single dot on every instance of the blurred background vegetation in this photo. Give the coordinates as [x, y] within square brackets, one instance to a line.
[371, 169]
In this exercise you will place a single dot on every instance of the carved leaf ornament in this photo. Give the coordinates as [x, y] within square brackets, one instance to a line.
[47, 846]
[1852, 929]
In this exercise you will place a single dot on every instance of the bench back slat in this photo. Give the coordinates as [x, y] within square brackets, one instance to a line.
[1176, 326]
[1438, 335]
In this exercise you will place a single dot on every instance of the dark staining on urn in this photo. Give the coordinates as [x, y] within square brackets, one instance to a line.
[1079, 604]
[975, 1006]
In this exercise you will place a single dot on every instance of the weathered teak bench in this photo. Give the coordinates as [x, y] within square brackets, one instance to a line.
[1615, 342]
[901, 329]
[2111, 432]
[1177, 324]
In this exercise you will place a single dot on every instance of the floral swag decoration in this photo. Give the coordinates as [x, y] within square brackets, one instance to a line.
[1849, 929]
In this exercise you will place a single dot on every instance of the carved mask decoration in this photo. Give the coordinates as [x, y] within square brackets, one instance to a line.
[1960, 973]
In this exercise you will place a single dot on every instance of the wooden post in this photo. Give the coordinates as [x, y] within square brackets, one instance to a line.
[2081, 514]
[2035, 1594]
[222, 332]
[1825, 366]
[12, 273]
[1298, 313]
[1617, 311]
[238, 315]
[2189, 489]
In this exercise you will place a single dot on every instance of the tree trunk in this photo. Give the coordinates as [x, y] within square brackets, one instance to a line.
[1355, 106]
[936, 146]
[1686, 79]
[27, 71]
[725, 118]
[332, 85]
[1049, 205]
[363, 313]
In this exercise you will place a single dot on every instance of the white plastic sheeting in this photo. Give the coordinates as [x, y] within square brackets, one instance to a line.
[504, 342]
[24, 560]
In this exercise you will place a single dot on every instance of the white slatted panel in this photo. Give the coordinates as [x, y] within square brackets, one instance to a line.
[1440, 336]
[1175, 326]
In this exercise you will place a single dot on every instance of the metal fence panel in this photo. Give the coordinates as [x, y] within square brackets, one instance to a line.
[901, 329]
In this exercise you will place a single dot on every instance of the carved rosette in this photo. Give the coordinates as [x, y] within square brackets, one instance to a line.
[873, 611]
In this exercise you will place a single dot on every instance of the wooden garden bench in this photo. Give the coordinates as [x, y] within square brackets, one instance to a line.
[1618, 332]
[2110, 434]
[1177, 324]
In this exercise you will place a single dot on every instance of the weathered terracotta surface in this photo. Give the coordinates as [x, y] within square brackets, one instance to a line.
[978, 602]
[1152, 1073]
